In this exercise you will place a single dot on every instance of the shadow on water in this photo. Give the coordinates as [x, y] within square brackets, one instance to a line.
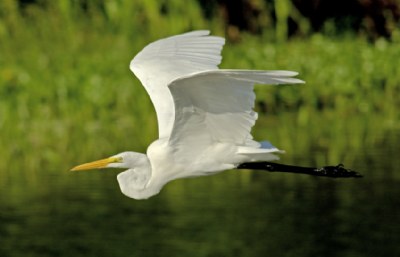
[236, 213]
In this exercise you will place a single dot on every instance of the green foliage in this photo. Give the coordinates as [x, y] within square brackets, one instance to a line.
[67, 95]
[346, 74]
[282, 9]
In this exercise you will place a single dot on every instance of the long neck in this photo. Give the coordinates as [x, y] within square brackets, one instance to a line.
[140, 182]
[134, 182]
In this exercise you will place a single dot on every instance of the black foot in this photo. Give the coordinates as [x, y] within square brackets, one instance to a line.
[338, 171]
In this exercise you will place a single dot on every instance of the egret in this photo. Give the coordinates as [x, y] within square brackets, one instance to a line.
[205, 115]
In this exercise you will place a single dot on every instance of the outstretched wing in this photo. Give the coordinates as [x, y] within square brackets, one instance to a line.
[217, 106]
[167, 59]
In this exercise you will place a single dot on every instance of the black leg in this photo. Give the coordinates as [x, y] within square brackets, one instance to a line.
[338, 171]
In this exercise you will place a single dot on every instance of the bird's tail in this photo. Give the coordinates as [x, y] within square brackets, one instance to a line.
[264, 152]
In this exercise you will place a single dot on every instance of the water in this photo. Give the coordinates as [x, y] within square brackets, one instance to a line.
[237, 213]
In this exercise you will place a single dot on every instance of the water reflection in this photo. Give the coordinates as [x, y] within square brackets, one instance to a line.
[231, 214]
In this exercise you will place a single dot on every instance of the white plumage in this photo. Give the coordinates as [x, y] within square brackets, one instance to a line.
[204, 114]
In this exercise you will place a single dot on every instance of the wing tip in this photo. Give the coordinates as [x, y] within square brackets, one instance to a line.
[200, 32]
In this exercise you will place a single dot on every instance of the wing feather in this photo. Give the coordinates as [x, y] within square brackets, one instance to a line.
[167, 59]
[217, 106]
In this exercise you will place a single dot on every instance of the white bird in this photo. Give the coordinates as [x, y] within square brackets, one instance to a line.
[204, 115]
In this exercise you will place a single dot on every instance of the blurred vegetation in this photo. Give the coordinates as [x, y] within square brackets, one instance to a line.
[374, 19]
[66, 93]
[67, 96]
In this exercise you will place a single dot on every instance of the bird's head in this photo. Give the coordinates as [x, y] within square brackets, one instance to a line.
[125, 160]
[133, 182]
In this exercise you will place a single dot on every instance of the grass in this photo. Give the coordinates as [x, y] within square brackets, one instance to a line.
[66, 93]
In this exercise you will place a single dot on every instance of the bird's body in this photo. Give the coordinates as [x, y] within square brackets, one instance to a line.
[204, 114]
[162, 164]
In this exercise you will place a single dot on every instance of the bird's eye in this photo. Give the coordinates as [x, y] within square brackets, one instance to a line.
[120, 159]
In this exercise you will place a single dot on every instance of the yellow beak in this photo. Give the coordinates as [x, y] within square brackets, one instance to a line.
[96, 164]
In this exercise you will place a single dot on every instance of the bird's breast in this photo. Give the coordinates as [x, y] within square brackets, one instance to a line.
[163, 161]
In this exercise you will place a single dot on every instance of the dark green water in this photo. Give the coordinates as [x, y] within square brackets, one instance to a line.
[237, 213]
